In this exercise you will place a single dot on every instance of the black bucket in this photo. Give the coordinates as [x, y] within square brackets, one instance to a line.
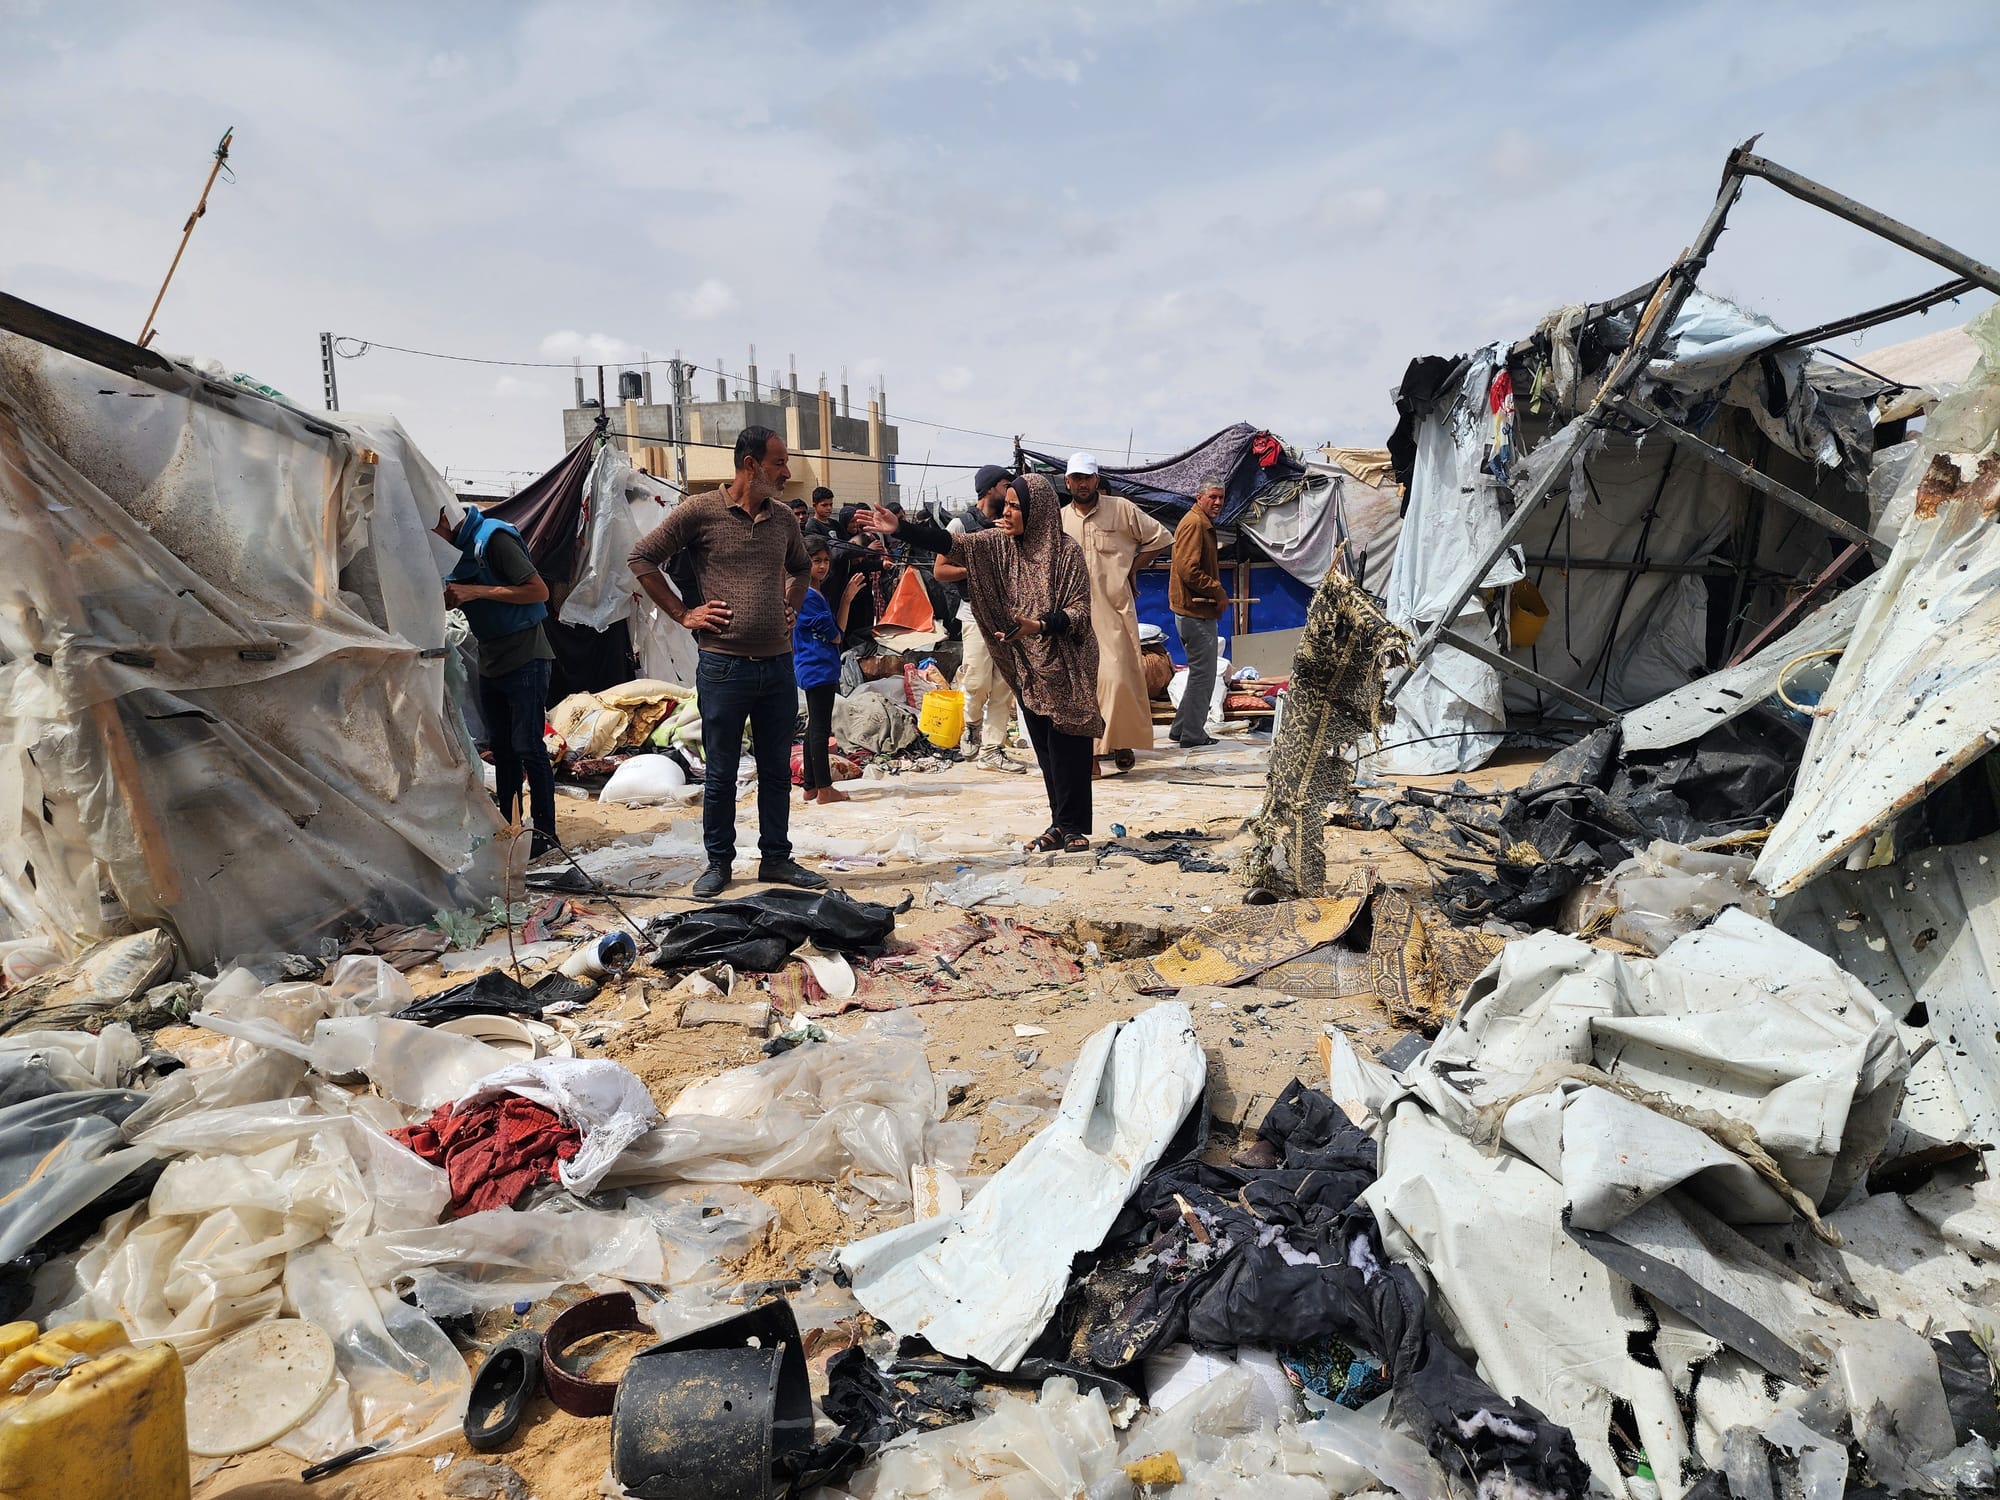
[708, 1416]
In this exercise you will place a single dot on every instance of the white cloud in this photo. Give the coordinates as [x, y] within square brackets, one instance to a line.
[593, 348]
[711, 299]
[953, 379]
[512, 387]
[446, 65]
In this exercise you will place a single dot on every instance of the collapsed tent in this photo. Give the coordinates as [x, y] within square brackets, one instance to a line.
[1640, 565]
[580, 522]
[222, 660]
[1713, 476]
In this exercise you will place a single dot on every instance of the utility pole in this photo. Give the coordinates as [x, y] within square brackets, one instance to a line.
[187, 233]
[326, 374]
[680, 377]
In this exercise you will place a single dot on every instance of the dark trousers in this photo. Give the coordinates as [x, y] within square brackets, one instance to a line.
[1065, 762]
[514, 706]
[733, 691]
[1199, 641]
[819, 725]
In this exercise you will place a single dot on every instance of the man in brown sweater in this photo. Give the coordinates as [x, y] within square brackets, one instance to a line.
[1197, 598]
[751, 565]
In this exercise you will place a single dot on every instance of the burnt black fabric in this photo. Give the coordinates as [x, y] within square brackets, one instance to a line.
[1588, 808]
[1426, 381]
[759, 932]
[1288, 1255]
[548, 512]
[871, 1408]
[494, 993]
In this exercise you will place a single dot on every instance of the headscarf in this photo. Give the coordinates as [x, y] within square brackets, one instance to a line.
[1037, 574]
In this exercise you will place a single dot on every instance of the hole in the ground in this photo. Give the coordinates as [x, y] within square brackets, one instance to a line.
[1118, 939]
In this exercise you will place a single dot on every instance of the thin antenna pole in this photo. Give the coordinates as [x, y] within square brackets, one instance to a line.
[187, 233]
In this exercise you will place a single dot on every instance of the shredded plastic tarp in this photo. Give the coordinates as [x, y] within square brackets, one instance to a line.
[221, 660]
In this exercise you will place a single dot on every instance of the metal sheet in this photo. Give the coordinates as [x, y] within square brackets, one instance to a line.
[1917, 696]
[1712, 701]
[1926, 929]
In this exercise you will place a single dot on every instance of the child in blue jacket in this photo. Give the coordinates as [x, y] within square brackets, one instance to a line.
[816, 661]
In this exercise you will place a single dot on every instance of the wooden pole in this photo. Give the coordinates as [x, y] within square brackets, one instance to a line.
[187, 233]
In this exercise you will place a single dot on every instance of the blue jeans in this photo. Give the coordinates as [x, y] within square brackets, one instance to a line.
[733, 691]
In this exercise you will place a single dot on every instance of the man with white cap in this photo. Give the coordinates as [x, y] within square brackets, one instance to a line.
[505, 601]
[1118, 539]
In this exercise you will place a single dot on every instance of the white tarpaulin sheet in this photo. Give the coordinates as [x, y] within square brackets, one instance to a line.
[982, 1282]
[621, 506]
[1737, 1019]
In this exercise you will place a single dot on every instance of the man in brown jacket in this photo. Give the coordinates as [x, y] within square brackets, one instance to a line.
[1197, 598]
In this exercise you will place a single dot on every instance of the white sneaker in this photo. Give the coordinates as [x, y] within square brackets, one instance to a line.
[993, 760]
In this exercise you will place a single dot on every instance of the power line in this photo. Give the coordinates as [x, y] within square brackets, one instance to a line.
[362, 346]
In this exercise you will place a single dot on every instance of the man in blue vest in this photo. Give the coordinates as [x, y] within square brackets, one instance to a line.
[505, 601]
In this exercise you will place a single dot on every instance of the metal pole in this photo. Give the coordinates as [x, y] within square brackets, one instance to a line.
[326, 374]
[1653, 421]
[1843, 207]
[187, 233]
[1651, 333]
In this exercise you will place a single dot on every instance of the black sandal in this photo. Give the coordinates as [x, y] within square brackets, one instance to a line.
[1045, 843]
[500, 1392]
[1079, 844]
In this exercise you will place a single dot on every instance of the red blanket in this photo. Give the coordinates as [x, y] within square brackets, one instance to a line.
[493, 1152]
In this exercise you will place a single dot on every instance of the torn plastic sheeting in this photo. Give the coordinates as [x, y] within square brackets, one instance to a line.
[58, 1155]
[853, 1109]
[702, 1227]
[1063, 1446]
[401, 1383]
[1548, 1324]
[206, 1253]
[601, 1098]
[983, 1282]
[1737, 1019]
[1719, 1282]
[1916, 698]
[239, 635]
[1667, 890]
[501, 1257]
[1924, 932]
[1003, 889]
[1690, 712]
[69, 1059]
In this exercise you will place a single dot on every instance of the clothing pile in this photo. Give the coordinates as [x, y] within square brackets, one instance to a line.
[495, 1153]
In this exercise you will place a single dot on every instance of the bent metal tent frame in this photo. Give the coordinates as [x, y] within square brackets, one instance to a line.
[1675, 359]
[222, 660]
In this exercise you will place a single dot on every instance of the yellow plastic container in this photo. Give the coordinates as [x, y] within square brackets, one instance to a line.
[1527, 613]
[943, 717]
[113, 1428]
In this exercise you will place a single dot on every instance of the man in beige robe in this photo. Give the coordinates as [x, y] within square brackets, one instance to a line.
[1118, 539]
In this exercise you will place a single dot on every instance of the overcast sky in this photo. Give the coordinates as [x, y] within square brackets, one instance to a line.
[1093, 224]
